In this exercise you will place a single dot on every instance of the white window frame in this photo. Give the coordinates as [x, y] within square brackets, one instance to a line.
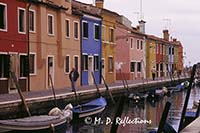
[3, 53]
[67, 19]
[34, 21]
[35, 63]
[19, 8]
[84, 21]
[135, 66]
[84, 62]
[96, 55]
[95, 24]
[6, 18]
[74, 30]
[103, 32]
[109, 64]
[111, 28]
[51, 15]
[65, 64]
[138, 44]
[20, 64]
[131, 43]
[74, 62]
[141, 44]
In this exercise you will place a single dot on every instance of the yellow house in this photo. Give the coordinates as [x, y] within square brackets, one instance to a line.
[150, 55]
[109, 19]
[54, 44]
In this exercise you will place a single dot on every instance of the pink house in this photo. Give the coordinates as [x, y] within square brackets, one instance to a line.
[130, 54]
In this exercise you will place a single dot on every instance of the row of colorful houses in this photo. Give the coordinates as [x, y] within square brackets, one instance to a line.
[47, 38]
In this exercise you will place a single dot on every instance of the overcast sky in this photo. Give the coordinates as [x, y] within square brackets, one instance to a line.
[181, 17]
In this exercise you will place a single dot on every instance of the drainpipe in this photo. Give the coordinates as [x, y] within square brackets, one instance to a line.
[28, 43]
[81, 58]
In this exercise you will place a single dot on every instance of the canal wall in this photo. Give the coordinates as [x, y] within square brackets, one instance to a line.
[42, 105]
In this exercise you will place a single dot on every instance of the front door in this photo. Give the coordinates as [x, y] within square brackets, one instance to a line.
[50, 71]
[13, 68]
[90, 70]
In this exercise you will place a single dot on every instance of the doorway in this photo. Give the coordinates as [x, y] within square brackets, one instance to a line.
[50, 71]
[90, 70]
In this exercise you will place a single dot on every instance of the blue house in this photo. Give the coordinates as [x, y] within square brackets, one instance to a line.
[91, 49]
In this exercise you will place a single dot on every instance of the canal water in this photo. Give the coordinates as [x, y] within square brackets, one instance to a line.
[149, 111]
[144, 117]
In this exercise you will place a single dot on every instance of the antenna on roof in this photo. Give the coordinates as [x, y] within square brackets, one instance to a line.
[141, 11]
[167, 23]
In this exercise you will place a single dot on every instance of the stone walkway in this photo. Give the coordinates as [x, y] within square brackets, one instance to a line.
[7, 98]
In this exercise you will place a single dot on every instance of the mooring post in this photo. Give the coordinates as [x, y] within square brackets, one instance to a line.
[187, 99]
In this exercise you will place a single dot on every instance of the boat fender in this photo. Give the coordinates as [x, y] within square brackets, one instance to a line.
[68, 107]
[55, 112]
[165, 90]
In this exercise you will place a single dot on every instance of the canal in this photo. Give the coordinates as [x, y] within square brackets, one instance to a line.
[150, 111]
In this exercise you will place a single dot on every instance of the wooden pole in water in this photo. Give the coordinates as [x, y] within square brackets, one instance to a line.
[20, 93]
[118, 113]
[99, 94]
[123, 80]
[52, 87]
[187, 99]
[164, 117]
[107, 88]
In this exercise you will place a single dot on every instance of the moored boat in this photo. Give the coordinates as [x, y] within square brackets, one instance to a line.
[91, 108]
[52, 121]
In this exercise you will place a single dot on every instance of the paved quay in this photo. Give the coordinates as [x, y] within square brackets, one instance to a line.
[11, 103]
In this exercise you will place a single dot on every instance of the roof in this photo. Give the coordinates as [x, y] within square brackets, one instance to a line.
[85, 8]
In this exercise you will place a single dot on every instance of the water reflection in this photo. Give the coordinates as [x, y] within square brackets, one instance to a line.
[151, 110]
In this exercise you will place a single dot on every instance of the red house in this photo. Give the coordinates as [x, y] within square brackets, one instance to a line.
[13, 44]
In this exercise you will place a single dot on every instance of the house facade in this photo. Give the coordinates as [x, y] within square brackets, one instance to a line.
[54, 44]
[108, 60]
[13, 45]
[150, 55]
[91, 43]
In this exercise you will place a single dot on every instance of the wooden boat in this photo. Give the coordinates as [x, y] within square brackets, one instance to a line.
[137, 97]
[55, 119]
[91, 108]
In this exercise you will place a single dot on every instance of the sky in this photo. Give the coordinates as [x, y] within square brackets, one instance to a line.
[180, 17]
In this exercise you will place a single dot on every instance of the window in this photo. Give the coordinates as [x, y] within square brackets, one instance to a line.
[110, 64]
[32, 63]
[96, 63]
[111, 35]
[169, 50]
[3, 17]
[67, 28]
[161, 67]
[173, 51]
[157, 48]
[161, 49]
[85, 29]
[67, 64]
[139, 66]
[141, 45]
[4, 66]
[50, 24]
[76, 30]
[85, 62]
[132, 65]
[138, 44]
[76, 62]
[24, 66]
[21, 20]
[96, 32]
[103, 33]
[131, 43]
[32, 20]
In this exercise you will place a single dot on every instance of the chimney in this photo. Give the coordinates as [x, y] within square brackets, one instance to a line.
[174, 40]
[99, 3]
[166, 35]
[142, 26]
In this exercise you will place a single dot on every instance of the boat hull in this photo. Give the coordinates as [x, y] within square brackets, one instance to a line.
[91, 108]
